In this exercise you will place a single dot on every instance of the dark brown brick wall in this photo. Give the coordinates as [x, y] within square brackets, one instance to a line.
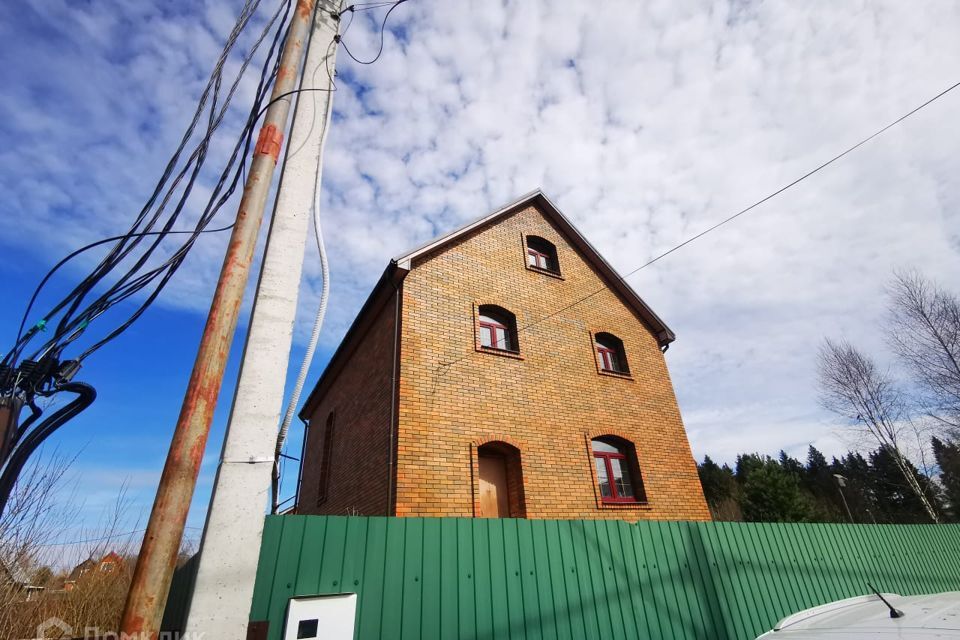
[360, 397]
[548, 402]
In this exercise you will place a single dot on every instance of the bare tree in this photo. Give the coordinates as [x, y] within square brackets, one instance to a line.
[924, 330]
[34, 516]
[852, 387]
[35, 512]
[39, 516]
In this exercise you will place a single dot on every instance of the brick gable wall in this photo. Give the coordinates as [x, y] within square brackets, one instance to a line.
[548, 402]
[360, 397]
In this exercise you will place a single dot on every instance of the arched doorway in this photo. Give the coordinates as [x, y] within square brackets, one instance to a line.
[500, 482]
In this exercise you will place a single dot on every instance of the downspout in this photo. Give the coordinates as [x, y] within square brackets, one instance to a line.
[394, 399]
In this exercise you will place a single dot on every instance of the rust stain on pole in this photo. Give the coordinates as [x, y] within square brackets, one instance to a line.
[305, 8]
[161, 542]
[269, 142]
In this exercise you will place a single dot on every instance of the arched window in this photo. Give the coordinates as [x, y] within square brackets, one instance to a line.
[498, 329]
[610, 354]
[617, 470]
[326, 457]
[541, 254]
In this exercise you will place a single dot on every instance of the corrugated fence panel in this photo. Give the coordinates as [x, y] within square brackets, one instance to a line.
[181, 589]
[434, 579]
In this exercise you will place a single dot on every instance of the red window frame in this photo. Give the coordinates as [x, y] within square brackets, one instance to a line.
[608, 359]
[538, 258]
[493, 326]
[614, 497]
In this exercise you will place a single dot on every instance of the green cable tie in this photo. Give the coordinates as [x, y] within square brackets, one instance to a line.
[83, 325]
[42, 325]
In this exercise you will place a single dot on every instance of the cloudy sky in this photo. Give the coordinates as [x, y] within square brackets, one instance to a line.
[646, 122]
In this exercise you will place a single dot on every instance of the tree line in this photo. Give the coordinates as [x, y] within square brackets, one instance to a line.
[853, 488]
[902, 415]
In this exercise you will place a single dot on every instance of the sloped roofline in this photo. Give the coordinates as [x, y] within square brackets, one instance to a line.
[537, 198]
[399, 266]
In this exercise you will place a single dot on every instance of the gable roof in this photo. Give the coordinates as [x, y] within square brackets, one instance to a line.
[538, 199]
[81, 568]
[401, 265]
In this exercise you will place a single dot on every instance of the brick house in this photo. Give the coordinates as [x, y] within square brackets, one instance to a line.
[89, 568]
[471, 384]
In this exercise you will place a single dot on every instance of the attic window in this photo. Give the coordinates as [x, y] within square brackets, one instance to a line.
[542, 255]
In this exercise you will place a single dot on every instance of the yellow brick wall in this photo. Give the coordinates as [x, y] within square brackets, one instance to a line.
[548, 402]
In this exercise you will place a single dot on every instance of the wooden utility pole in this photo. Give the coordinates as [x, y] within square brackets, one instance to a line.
[230, 549]
[161, 542]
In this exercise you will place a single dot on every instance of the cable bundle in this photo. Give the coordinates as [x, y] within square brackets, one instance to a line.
[127, 269]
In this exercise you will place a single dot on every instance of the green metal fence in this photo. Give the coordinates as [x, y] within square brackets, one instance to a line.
[485, 578]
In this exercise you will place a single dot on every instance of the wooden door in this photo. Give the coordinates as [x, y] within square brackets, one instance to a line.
[494, 502]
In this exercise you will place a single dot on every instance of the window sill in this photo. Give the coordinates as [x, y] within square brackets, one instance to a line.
[546, 272]
[644, 505]
[500, 352]
[615, 374]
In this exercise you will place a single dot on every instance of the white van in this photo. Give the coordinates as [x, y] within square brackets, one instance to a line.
[887, 615]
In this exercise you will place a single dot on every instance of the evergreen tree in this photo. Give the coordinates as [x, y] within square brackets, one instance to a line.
[896, 501]
[947, 455]
[771, 494]
[816, 461]
[790, 465]
[764, 489]
[716, 484]
[858, 491]
[818, 479]
[720, 489]
[747, 463]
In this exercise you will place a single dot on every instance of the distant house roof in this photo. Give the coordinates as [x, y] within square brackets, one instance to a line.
[81, 569]
[402, 264]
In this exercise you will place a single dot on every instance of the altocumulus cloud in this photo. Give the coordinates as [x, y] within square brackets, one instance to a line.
[646, 122]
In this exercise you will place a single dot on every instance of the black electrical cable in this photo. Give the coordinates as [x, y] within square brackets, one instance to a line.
[35, 413]
[70, 323]
[367, 6]
[168, 268]
[47, 376]
[344, 31]
[76, 313]
[383, 27]
[119, 251]
[196, 159]
[214, 83]
[73, 323]
[87, 247]
[730, 218]
[86, 394]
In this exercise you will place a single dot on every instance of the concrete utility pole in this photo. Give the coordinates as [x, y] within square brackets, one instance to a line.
[161, 543]
[229, 552]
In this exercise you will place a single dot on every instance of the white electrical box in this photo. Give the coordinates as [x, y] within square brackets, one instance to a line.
[327, 617]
